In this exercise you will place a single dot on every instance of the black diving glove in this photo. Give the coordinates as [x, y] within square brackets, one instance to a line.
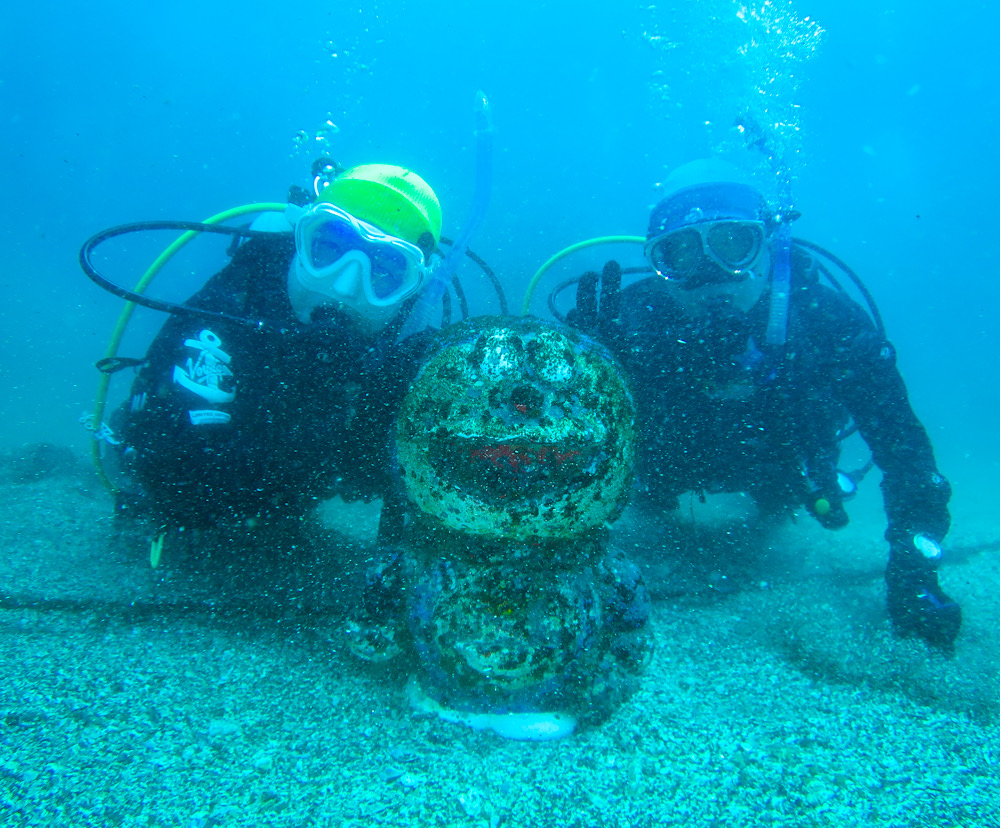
[917, 604]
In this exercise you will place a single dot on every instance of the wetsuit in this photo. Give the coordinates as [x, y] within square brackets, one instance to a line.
[228, 421]
[720, 410]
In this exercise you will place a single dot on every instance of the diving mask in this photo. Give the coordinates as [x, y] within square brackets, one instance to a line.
[332, 244]
[735, 246]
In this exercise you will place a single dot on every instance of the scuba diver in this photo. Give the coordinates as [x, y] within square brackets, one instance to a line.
[500, 449]
[748, 372]
[275, 385]
[274, 388]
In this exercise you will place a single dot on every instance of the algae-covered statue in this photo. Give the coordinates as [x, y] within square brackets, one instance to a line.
[513, 449]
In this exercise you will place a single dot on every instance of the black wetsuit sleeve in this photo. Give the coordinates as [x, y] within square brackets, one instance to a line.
[867, 381]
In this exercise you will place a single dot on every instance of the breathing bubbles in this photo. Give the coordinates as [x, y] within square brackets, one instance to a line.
[734, 68]
[346, 61]
[326, 131]
[319, 141]
[777, 43]
[300, 142]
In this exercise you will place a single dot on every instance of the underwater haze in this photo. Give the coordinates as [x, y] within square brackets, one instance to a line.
[879, 121]
[115, 113]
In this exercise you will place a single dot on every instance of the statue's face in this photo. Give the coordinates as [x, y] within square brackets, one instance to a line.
[517, 428]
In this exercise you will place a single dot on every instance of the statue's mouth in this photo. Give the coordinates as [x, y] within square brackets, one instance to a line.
[516, 470]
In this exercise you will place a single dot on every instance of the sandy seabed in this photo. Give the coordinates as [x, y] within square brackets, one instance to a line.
[220, 693]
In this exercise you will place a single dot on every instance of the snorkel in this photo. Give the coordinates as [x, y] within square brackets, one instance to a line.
[440, 276]
[768, 145]
[781, 275]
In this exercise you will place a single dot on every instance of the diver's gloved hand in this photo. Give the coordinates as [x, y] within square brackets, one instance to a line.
[917, 604]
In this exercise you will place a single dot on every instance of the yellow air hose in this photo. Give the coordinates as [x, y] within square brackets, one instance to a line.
[562, 254]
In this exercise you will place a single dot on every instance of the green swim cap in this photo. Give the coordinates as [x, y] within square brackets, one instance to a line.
[397, 201]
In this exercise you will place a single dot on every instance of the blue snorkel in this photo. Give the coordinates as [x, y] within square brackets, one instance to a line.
[440, 277]
[781, 267]
[781, 274]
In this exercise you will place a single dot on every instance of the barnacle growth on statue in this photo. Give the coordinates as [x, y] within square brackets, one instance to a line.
[517, 429]
[514, 448]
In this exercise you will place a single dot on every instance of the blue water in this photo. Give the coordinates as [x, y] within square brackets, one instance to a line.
[112, 114]
[115, 112]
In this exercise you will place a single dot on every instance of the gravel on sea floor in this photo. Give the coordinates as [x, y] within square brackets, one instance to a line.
[776, 695]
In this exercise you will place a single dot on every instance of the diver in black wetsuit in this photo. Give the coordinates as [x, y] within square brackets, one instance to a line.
[229, 423]
[726, 406]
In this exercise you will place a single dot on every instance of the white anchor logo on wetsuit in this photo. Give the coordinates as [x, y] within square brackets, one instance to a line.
[208, 374]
